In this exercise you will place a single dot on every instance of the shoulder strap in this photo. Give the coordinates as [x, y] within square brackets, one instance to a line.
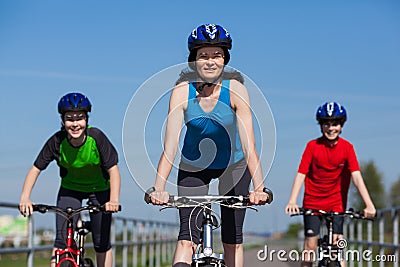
[192, 90]
[225, 96]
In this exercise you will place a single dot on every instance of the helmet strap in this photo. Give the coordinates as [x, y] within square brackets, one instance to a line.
[203, 83]
[206, 83]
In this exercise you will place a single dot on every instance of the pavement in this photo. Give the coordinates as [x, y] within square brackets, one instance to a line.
[272, 254]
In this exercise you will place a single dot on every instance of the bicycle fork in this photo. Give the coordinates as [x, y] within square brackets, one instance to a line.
[205, 253]
[329, 253]
[66, 254]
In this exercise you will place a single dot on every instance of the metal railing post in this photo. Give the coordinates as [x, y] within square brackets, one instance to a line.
[124, 240]
[359, 239]
[395, 220]
[158, 247]
[164, 244]
[151, 244]
[135, 246]
[381, 237]
[30, 241]
[369, 239]
[144, 244]
[351, 237]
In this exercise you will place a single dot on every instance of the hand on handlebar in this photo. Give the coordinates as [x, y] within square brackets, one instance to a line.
[26, 207]
[258, 198]
[156, 197]
[159, 197]
[112, 206]
[369, 212]
[292, 208]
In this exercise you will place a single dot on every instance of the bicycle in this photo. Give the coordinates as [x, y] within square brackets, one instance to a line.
[329, 253]
[74, 253]
[204, 254]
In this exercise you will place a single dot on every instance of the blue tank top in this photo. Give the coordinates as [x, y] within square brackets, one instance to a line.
[212, 139]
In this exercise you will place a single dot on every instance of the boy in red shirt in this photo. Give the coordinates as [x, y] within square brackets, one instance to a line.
[327, 165]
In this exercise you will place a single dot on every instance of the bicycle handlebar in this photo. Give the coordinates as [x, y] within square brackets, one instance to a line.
[195, 201]
[349, 213]
[147, 197]
[43, 208]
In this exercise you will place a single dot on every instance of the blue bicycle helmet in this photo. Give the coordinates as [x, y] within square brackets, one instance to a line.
[208, 35]
[74, 102]
[331, 111]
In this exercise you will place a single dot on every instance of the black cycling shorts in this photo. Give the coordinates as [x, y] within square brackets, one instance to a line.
[233, 181]
[100, 222]
[312, 225]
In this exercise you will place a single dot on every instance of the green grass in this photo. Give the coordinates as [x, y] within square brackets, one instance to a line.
[42, 259]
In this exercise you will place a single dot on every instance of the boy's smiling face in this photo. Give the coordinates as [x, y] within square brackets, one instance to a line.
[331, 129]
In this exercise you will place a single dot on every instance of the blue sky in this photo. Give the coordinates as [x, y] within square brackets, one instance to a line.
[299, 53]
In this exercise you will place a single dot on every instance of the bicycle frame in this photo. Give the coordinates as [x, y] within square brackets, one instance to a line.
[326, 244]
[73, 254]
[205, 251]
[204, 254]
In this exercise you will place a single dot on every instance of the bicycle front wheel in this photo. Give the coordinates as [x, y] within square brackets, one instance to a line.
[208, 264]
[329, 264]
[66, 263]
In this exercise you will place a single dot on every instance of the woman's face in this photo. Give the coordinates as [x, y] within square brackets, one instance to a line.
[210, 62]
[75, 123]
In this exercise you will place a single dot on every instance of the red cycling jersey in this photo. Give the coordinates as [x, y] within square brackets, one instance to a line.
[328, 171]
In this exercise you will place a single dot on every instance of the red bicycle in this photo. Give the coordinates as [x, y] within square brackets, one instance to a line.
[74, 253]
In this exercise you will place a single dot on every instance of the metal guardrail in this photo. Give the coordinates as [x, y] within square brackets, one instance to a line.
[377, 239]
[150, 242]
[154, 241]
[381, 235]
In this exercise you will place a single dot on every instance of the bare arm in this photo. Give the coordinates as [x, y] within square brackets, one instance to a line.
[115, 185]
[298, 182]
[358, 181]
[177, 103]
[25, 203]
[241, 104]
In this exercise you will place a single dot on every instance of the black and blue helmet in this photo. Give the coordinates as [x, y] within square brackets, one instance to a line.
[209, 34]
[331, 111]
[74, 102]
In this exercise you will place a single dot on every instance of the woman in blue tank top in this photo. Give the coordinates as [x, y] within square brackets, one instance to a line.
[219, 141]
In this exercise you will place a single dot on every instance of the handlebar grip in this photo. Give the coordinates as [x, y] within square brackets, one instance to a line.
[98, 208]
[147, 197]
[119, 207]
[103, 208]
[40, 208]
[270, 195]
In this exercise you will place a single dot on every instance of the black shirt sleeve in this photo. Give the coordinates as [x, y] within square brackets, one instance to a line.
[50, 151]
[108, 153]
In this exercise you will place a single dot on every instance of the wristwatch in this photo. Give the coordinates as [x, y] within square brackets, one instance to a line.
[269, 193]
[147, 198]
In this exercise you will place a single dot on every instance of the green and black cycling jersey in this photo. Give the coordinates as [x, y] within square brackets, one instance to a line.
[82, 168]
